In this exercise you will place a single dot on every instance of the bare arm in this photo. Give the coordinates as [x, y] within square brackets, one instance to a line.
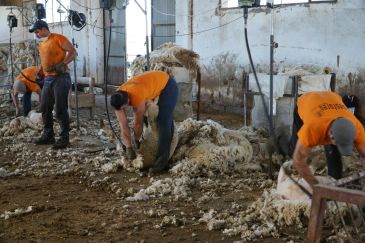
[71, 52]
[300, 157]
[138, 120]
[362, 156]
[14, 97]
[123, 123]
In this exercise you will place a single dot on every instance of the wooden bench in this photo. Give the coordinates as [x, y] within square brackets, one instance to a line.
[85, 100]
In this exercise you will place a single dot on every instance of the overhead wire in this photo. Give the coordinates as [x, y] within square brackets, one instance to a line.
[93, 25]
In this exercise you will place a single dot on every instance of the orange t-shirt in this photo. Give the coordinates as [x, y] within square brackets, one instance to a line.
[145, 86]
[51, 52]
[317, 110]
[30, 72]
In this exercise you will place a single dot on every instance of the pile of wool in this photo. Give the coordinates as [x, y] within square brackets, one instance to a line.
[206, 146]
[170, 54]
[269, 216]
[17, 125]
[165, 56]
[138, 65]
[19, 211]
[177, 187]
[131, 165]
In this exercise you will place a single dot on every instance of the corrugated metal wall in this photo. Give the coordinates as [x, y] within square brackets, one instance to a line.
[117, 56]
[163, 22]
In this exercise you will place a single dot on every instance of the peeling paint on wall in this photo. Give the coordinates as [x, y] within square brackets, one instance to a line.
[222, 82]
[354, 84]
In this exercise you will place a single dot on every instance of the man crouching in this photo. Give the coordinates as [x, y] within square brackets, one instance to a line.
[136, 92]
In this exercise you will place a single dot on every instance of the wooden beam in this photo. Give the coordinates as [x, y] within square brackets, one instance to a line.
[318, 209]
[340, 194]
[321, 193]
[18, 3]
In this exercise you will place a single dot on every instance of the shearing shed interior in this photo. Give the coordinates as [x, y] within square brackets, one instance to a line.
[182, 121]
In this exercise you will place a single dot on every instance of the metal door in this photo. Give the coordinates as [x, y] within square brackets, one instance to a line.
[117, 68]
[163, 22]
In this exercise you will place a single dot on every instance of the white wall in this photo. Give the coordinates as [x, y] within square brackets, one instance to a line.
[17, 34]
[90, 60]
[311, 36]
[307, 34]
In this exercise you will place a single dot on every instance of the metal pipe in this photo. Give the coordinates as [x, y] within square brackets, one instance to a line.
[76, 95]
[272, 45]
[147, 40]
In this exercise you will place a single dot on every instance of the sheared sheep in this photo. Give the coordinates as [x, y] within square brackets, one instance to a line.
[289, 190]
[149, 144]
[35, 117]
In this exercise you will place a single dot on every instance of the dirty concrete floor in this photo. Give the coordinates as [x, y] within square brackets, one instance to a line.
[68, 206]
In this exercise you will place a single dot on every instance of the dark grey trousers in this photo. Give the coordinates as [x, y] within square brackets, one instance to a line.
[55, 95]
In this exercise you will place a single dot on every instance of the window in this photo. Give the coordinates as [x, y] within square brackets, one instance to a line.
[235, 4]
[54, 10]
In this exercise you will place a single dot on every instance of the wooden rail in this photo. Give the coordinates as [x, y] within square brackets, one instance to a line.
[321, 193]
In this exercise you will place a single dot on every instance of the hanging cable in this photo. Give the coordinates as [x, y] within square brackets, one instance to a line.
[266, 111]
[106, 74]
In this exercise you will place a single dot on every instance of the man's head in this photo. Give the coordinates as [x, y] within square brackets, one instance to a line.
[119, 99]
[342, 131]
[39, 28]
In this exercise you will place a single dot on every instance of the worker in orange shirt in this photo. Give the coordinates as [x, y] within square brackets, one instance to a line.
[136, 92]
[55, 52]
[29, 80]
[321, 118]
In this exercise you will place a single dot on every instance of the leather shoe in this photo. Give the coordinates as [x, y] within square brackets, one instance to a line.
[44, 139]
[61, 143]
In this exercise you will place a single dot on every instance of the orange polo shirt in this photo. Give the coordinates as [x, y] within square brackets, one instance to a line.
[145, 86]
[30, 72]
[51, 52]
[318, 110]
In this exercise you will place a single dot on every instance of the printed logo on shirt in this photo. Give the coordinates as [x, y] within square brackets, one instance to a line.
[325, 107]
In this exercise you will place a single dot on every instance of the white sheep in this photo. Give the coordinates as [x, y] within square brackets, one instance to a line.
[149, 144]
[289, 190]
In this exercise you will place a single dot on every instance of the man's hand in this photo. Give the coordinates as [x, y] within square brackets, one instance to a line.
[130, 154]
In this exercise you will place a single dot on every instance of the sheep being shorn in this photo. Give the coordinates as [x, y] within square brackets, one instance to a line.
[149, 142]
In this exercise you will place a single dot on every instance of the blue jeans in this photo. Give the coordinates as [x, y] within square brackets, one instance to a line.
[27, 103]
[166, 104]
[55, 94]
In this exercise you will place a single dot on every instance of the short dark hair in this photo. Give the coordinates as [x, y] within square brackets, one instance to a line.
[119, 99]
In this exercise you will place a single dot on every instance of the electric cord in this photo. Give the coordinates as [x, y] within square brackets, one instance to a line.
[106, 83]
[272, 131]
